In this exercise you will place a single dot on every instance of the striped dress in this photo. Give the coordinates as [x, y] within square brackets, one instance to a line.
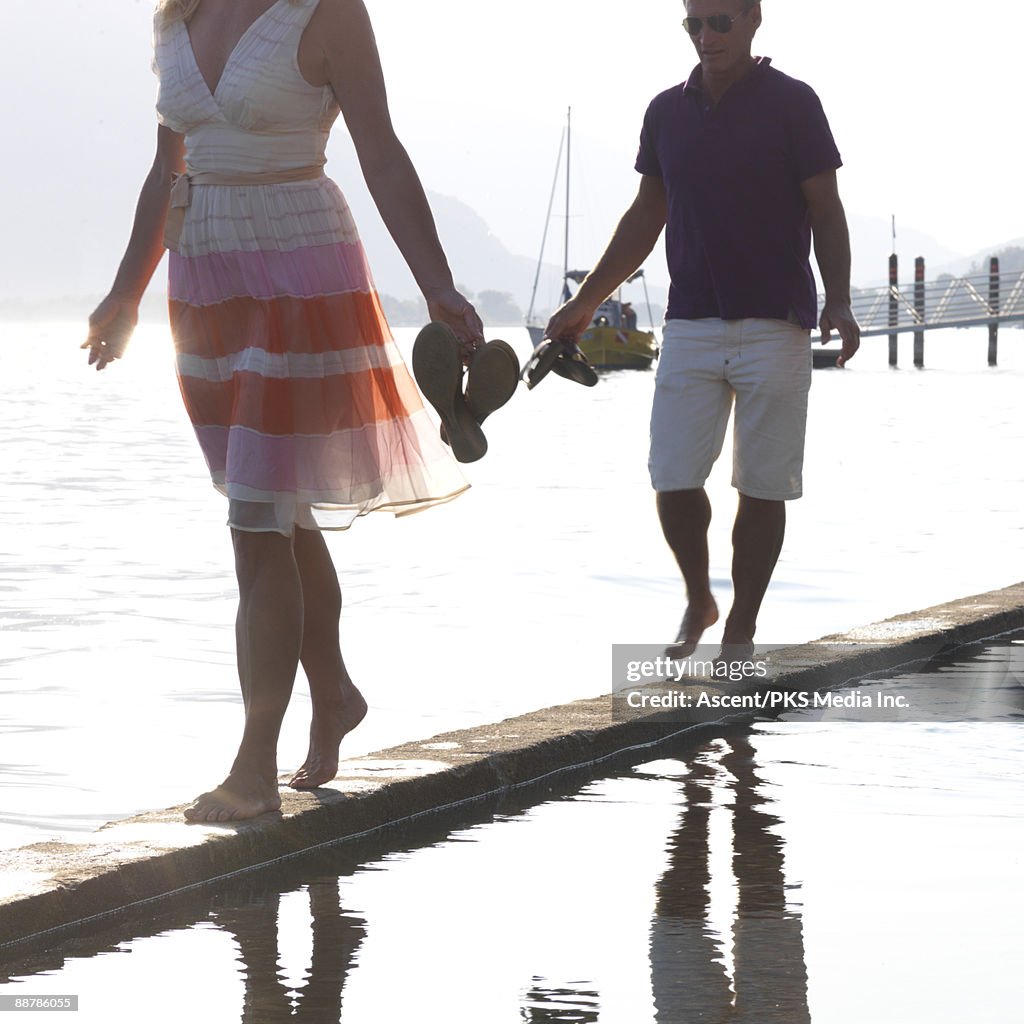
[304, 409]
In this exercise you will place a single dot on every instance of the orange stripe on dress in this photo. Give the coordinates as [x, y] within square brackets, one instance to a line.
[310, 406]
[328, 323]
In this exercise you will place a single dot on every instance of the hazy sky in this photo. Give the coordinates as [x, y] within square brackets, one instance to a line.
[923, 100]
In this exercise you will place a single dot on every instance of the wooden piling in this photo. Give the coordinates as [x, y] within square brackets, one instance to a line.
[993, 306]
[919, 309]
[894, 309]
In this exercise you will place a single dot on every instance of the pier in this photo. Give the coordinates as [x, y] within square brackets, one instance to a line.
[977, 300]
[49, 887]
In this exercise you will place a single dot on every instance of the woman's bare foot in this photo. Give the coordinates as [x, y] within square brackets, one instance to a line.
[239, 797]
[699, 615]
[326, 731]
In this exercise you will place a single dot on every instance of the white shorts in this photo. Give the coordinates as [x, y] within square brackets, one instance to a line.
[766, 365]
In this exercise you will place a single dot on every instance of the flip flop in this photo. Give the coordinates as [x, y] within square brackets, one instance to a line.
[539, 364]
[437, 365]
[572, 365]
[565, 358]
[493, 378]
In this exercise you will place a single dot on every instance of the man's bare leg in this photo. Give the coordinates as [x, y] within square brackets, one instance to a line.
[338, 707]
[269, 632]
[756, 543]
[685, 517]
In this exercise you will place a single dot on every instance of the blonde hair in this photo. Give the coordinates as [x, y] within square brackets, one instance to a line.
[181, 10]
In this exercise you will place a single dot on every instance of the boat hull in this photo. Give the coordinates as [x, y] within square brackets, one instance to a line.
[611, 348]
[616, 348]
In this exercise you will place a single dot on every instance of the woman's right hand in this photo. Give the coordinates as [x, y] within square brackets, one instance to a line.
[110, 328]
[454, 309]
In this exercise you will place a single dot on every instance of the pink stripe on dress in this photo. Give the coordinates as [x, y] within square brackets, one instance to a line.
[346, 467]
[309, 272]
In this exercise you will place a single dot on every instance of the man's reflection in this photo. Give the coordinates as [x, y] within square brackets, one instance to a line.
[688, 961]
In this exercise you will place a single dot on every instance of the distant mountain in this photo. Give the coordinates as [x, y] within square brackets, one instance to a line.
[480, 261]
[871, 244]
[978, 263]
[503, 280]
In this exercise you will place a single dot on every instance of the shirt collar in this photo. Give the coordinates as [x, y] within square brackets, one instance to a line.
[695, 83]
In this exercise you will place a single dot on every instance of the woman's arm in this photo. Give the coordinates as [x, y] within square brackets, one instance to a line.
[351, 65]
[112, 322]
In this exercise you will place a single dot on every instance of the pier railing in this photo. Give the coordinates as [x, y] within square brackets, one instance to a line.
[977, 300]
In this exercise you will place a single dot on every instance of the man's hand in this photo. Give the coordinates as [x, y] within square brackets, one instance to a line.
[570, 321]
[839, 317]
[630, 245]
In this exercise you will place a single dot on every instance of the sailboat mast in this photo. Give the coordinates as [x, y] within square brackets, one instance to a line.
[547, 224]
[568, 176]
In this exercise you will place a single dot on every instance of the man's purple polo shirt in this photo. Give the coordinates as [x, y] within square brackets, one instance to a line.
[738, 234]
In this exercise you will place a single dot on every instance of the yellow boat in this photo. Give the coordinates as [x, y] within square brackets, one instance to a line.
[613, 340]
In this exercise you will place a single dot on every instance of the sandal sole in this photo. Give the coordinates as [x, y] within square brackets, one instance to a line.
[437, 366]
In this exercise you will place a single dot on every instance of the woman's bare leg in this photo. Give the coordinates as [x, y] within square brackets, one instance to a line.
[269, 635]
[338, 707]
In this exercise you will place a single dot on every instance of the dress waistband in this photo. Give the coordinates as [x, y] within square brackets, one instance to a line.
[181, 191]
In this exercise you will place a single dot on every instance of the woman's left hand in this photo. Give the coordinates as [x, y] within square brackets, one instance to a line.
[454, 309]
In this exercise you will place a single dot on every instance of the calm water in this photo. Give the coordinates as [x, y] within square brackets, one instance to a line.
[800, 871]
[117, 685]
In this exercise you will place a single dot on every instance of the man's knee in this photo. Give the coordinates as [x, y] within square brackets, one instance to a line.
[685, 497]
[767, 504]
[690, 508]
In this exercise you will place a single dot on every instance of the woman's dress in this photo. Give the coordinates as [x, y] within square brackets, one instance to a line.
[305, 410]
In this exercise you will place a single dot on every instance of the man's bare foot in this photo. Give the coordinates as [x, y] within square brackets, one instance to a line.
[737, 641]
[326, 731]
[699, 615]
[738, 634]
[237, 798]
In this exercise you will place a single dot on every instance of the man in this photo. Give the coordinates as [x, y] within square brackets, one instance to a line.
[739, 164]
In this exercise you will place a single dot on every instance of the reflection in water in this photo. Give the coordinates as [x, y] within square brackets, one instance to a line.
[688, 966]
[657, 894]
[689, 975]
[254, 925]
[673, 969]
[566, 1005]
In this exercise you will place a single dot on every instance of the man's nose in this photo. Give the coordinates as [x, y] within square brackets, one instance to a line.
[707, 34]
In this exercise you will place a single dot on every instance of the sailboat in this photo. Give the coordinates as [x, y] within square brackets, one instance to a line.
[612, 340]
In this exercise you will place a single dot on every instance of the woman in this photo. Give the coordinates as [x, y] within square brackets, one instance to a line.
[305, 412]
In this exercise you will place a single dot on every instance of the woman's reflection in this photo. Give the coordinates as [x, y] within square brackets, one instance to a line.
[336, 937]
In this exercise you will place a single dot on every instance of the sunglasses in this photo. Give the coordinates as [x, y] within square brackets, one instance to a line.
[720, 23]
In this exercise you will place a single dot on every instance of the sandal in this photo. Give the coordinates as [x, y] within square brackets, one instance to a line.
[565, 358]
[437, 365]
[493, 378]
